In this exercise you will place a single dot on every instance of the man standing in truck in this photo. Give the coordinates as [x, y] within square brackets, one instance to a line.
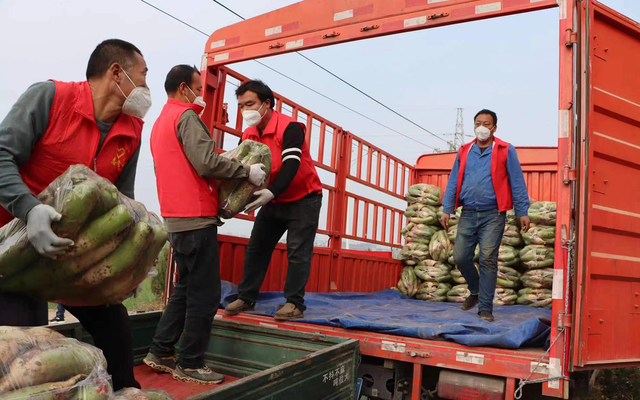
[52, 126]
[186, 162]
[291, 203]
[487, 181]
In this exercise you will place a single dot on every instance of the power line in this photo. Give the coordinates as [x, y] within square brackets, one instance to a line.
[298, 82]
[345, 81]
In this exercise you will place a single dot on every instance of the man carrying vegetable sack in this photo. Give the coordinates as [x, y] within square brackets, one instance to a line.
[186, 162]
[487, 181]
[291, 203]
[53, 125]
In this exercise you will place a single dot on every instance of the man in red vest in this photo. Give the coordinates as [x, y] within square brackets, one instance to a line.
[291, 203]
[186, 164]
[53, 125]
[487, 181]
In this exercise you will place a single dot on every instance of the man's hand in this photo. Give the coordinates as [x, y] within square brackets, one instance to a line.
[444, 220]
[257, 174]
[41, 236]
[264, 197]
[525, 222]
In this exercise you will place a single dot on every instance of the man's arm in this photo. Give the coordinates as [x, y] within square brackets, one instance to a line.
[516, 181]
[292, 141]
[449, 200]
[200, 150]
[126, 182]
[22, 127]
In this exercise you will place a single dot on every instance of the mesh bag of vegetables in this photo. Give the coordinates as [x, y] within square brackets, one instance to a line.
[508, 278]
[505, 297]
[432, 271]
[458, 293]
[538, 278]
[235, 194]
[512, 236]
[440, 246]
[508, 256]
[137, 394]
[39, 363]
[433, 291]
[535, 297]
[543, 213]
[540, 234]
[425, 194]
[116, 243]
[537, 256]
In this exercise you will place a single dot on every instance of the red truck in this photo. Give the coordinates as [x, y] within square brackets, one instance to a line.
[593, 174]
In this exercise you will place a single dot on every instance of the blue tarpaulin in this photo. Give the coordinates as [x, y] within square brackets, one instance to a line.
[392, 313]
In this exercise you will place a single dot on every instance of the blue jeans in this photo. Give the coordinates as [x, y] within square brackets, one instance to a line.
[60, 312]
[485, 228]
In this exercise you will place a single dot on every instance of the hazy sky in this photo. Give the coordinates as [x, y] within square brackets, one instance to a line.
[509, 65]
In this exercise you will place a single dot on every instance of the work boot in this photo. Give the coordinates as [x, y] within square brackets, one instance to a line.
[201, 376]
[161, 364]
[57, 319]
[470, 302]
[237, 307]
[486, 315]
[287, 312]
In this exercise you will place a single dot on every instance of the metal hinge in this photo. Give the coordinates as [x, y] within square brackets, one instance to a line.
[568, 174]
[571, 38]
[564, 320]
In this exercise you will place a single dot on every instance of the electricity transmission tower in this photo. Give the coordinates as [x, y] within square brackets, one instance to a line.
[458, 136]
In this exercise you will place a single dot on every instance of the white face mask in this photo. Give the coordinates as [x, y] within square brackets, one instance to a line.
[199, 101]
[138, 103]
[482, 133]
[252, 117]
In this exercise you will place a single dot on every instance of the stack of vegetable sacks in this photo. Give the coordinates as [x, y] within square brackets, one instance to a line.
[38, 363]
[508, 281]
[427, 247]
[538, 255]
[235, 194]
[116, 242]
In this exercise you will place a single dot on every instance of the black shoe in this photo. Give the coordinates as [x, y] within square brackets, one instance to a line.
[470, 302]
[57, 319]
[486, 315]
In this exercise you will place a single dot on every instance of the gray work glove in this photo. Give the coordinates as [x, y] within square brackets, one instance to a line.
[39, 231]
[264, 197]
[257, 174]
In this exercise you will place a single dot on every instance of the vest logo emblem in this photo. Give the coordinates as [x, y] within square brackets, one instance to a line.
[119, 158]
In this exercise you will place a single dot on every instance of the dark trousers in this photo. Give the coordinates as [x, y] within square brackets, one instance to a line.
[485, 228]
[109, 326]
[60, 311]
[196, 297]
[300, 220]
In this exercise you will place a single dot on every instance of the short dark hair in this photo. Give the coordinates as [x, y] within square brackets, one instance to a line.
[487, 112]
[177, 75]
[258, 87]
[108, 52]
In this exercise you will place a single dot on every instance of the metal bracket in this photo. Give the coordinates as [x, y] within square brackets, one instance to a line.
[331, 35]
[436, 16]
[277, 45]
[369, 28]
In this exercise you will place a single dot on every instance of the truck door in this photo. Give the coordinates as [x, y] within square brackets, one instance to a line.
[607, 291]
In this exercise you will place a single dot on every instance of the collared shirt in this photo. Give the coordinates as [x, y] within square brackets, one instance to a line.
[477, 191]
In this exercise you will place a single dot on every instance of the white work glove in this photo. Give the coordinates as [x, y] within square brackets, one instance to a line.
[39, 231]
[257, 174]
[264, 197]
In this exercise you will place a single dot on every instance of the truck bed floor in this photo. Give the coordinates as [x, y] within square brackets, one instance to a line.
[150, 379]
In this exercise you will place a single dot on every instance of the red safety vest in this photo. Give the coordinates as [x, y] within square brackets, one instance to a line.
[181, 191]
[72, 137]
[499, 174]
[306, 180]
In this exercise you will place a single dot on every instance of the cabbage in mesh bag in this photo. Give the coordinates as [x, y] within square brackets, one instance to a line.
[116, 241]
[39, 363]
[235, 194]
